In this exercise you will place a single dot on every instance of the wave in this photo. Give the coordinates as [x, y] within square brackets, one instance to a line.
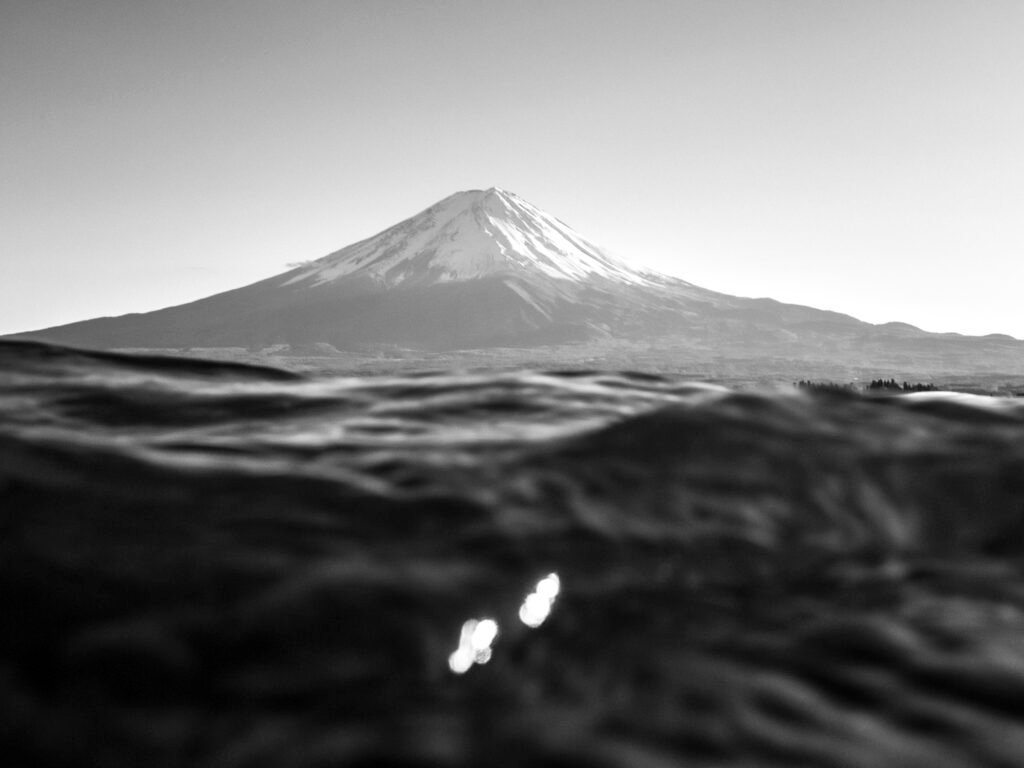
[217, 564]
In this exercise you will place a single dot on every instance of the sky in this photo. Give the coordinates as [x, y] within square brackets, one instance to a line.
[865, 157]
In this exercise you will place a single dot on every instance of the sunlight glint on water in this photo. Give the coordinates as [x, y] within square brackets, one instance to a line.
[537, 605]
[475, 641]
[478, 635]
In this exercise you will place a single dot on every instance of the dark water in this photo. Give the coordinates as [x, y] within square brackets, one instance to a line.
[214, 565]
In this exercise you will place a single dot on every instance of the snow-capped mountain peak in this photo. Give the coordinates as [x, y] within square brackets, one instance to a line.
[469, 235]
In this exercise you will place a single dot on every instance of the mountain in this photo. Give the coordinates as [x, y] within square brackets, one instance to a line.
[478, 269]
[485, 268]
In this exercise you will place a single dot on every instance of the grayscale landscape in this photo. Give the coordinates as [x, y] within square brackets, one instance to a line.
[729, 472]
[484, 279]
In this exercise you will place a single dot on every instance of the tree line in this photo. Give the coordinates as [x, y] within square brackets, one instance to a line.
[876, 385]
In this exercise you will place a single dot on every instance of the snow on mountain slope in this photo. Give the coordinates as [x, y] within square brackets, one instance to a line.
[485, 268]
[469, 235]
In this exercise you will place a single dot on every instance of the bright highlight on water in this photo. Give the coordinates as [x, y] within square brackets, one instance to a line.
[537, 605]
[478, 635]
[474, 645]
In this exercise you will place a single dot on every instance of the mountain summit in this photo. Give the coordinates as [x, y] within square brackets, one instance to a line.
[469, 235]
[485, 268]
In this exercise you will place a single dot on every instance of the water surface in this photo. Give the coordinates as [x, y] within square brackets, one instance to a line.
[222, 565]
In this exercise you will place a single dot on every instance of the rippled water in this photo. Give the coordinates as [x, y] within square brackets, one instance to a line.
[217, 565]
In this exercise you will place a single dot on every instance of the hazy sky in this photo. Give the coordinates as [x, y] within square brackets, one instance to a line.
[863, 156]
